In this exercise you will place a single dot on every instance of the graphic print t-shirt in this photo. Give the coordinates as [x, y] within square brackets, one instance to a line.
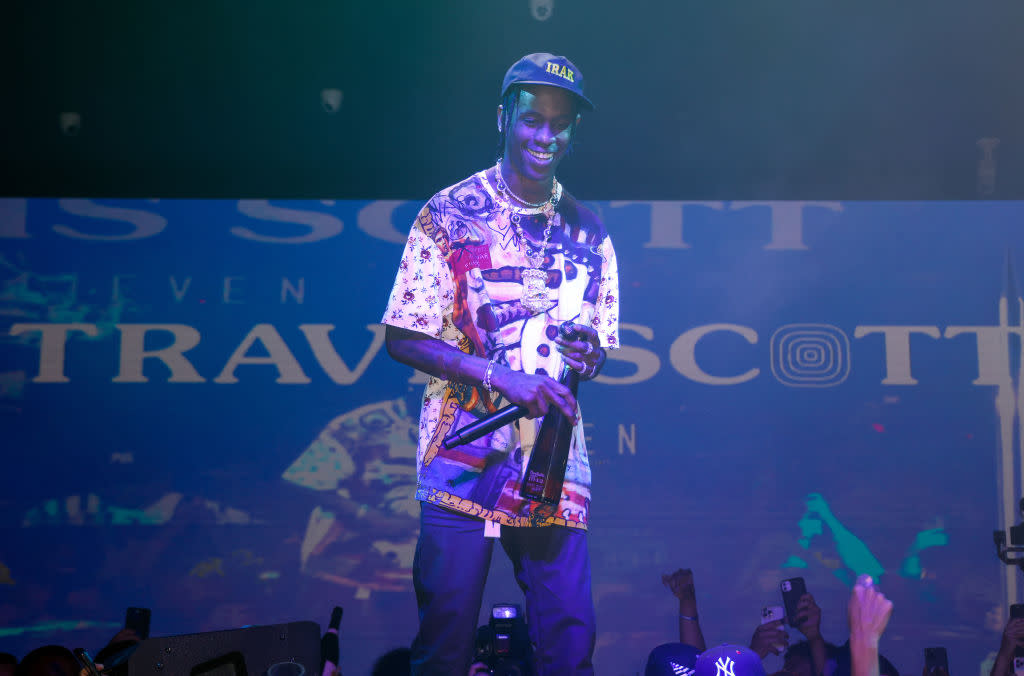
[460, 280]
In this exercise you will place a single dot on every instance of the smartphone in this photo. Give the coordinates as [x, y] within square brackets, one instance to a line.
[792, 590]
[936, 658]
[86, 661]
[772, 613]
[137, 619]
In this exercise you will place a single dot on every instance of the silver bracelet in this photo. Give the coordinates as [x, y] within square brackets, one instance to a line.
[688, 617]
[487, 376]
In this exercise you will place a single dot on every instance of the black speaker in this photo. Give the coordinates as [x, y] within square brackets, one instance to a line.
[291, 649]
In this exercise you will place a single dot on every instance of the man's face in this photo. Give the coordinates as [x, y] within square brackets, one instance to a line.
[540, 132]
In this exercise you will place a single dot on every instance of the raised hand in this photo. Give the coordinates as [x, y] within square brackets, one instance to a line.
[769, 639]
[680, 583]
[868, 612]
[1013, 635]
[808, 616]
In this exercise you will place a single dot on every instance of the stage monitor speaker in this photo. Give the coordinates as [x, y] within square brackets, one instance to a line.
[291, 649]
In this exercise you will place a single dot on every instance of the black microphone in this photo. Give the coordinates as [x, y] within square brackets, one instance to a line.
[499, 418]
[484, 426]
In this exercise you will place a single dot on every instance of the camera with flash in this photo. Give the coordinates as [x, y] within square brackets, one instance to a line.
[503, 644]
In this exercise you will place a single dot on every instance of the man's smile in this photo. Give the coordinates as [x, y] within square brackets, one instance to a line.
[541, 156]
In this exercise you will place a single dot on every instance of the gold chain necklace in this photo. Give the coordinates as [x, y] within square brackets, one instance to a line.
[535, 288]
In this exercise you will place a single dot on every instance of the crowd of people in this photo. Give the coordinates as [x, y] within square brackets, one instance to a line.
[868, 614]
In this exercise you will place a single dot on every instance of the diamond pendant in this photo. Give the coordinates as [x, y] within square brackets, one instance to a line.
[535, 290]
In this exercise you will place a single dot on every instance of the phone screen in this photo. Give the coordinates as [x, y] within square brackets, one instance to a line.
[137, 619]
[792, 590]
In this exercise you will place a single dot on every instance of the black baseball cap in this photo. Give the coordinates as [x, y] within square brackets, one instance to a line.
[672, 659]
[547, 69]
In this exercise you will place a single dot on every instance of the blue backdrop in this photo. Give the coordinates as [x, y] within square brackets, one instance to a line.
[194, 393]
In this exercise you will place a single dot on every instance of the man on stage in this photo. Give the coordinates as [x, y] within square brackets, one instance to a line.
[493, 265]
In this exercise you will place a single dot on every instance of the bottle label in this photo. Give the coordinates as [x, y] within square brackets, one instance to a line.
[535, 482]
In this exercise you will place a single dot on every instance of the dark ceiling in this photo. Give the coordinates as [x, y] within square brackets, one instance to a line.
[697, 99]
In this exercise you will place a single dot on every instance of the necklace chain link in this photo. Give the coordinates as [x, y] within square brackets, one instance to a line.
[534, 278]
[503, 187]
[506, 192]
[547, 207]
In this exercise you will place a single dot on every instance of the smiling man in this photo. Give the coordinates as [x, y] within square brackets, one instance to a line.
[493, 265]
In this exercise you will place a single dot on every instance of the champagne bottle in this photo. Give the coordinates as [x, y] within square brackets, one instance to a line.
[546, 470]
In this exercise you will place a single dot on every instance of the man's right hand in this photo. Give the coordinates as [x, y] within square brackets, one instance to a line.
[536, 393]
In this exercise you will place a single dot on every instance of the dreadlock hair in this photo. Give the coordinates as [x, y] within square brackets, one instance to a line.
[509, 106]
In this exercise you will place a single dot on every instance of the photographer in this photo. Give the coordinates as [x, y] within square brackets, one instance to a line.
[503, 645]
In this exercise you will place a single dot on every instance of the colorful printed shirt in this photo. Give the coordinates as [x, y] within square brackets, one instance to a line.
[460, 281]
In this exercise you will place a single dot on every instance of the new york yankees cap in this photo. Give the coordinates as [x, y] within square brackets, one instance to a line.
[547, 69]
[672, 659]
[729, 660]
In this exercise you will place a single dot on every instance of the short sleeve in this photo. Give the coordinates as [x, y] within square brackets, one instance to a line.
[606, 312]
[424, 292]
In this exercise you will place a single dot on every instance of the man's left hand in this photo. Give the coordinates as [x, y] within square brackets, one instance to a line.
[583, 353]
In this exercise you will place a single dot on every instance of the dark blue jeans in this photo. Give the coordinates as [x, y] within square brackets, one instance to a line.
[552, 567]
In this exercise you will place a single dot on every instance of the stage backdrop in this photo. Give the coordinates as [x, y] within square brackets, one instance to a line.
[199, 417]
